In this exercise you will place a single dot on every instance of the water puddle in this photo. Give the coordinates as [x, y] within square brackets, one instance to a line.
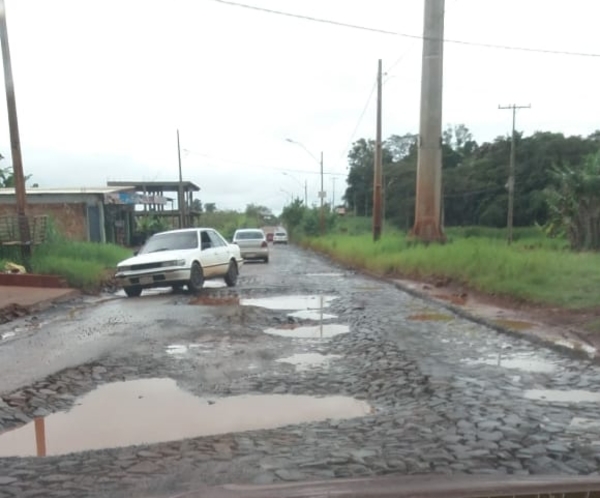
[513, 324]
[156, 410]
[7, 335]
[216, 301]
[321, 331]
[297, 303]
[307, 361]
[454, 299]
[312, 315]
[516, 362]
[431, 317]
[573, 396]
[177, 349]
[332, 275]
[590, 350]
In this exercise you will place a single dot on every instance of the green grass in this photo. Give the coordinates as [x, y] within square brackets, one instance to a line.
[83, 264]
[533, 269]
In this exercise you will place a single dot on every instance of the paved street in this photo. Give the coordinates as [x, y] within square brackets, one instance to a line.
[304, 371]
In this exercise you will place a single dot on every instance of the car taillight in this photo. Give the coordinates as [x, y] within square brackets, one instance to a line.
[264, 243]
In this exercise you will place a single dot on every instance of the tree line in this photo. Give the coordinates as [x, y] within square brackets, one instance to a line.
[556, 180]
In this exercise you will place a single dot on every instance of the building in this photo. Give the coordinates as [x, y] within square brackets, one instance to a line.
[103, 214]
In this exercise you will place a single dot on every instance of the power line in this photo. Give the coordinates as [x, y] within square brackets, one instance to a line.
[404, 35]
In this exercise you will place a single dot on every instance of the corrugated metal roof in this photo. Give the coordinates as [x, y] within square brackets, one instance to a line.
[66, 190]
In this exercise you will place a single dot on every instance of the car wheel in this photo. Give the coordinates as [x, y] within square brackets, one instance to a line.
[266, 260]
[196, 278]
[232, 274]
[133, 291]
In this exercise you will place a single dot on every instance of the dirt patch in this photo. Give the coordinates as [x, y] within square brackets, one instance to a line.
[514, 324]
[431, 317]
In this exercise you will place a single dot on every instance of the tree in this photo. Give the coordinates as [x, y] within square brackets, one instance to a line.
[197, 205]
[7, 176]
[292, 216]
[210, 207]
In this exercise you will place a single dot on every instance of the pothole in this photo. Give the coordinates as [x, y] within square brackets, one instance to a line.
[307, 361]
[553, 395]
[431, 317]
[177, 349]
[581, 424]
[516, 362]
[312, 315]
[321, 331]
[297, 303]
[331, 275]
[150, 411]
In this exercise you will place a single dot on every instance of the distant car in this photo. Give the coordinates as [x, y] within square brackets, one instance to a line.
[180, 257]
[270, 237]
[252, 243]
[280, 237]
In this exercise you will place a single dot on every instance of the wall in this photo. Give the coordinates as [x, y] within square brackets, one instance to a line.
[70, 219]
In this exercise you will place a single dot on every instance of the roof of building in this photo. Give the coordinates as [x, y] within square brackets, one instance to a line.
[67, 190]
[172, 186]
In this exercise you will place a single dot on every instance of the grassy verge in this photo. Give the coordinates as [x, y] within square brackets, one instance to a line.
[83, 264]
[533, 269]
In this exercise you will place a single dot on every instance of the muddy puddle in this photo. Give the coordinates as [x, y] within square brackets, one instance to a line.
[314, 315]
[215, 301]
[308, 361]
[156, 410]
[524, 362]
[321, 331]
[572, 396]
[297, 303]
[513, 324]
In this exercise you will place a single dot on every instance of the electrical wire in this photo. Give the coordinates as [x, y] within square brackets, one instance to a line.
[405, 35]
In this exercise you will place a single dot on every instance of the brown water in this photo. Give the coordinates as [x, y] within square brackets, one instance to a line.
[156, 410]
[321, 331]
[514, 324]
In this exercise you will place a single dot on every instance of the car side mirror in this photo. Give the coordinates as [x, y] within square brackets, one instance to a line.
[135, 253]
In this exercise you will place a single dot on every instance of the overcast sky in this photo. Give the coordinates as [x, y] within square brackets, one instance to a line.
[102, 85]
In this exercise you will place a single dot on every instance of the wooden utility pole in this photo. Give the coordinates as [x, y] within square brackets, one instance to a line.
[15, 141]
[322, 196]
[181, 200]
[428, 225]
[378, 167]
[511, 171]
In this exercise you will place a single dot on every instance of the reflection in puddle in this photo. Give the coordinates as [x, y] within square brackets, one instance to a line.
[290, 302]
[321, 331]
[180, 348]
[305, 361]
[7, 335]
[311, 315]
[513, 324]
[434, 317]
[573, 396]
[517, 362]
[155, 410]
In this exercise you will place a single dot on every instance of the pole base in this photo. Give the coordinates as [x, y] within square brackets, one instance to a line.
[428, 230]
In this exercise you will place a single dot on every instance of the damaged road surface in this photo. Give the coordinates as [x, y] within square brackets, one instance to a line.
[303, 372]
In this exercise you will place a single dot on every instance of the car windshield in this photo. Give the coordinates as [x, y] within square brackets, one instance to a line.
[170, 242]
[250, 235]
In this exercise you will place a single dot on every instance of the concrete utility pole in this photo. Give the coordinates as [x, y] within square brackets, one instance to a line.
[511, 173]
[15, 141]
[428, 205]
[305, 193]
[378, 167]
[333, 180]
[322, 195]
[181, 200]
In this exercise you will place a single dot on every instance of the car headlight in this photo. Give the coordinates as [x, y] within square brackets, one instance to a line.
[176, 262]
[123, 268]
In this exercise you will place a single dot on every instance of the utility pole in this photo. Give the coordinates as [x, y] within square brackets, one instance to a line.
[15, 141]
[511, 170]
[378, 167]
[322, 196]
[305, 193]
[180, 201]
[333, 192]
[428, 226]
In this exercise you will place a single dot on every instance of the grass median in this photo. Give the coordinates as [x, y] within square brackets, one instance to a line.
[533, 269]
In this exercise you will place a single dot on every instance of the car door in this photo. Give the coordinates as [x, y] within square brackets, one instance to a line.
[208, 255]
[221, 252]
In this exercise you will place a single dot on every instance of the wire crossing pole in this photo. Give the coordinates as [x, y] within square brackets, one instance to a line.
[378, 168]
[511, 171]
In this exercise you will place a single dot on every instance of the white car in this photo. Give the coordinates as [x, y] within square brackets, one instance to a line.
[280, 237]
[180, 257]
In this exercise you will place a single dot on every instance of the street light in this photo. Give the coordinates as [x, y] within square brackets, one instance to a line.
[321, 193]
[305, 186]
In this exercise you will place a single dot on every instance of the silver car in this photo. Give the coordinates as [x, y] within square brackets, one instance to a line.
[252, 243]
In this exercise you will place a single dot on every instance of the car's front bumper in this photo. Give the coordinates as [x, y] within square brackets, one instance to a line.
[154, 278]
